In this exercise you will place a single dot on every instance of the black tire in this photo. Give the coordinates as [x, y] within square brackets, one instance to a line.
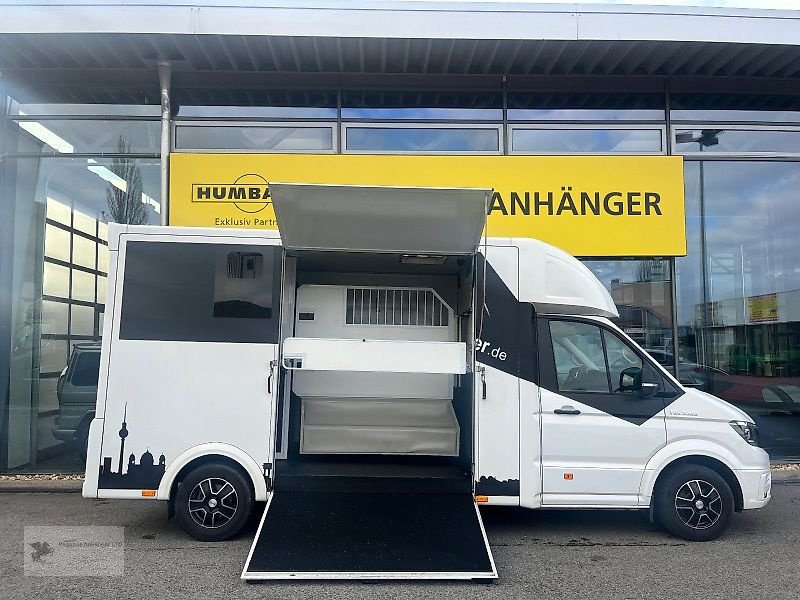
[694, 503]
[213, 503]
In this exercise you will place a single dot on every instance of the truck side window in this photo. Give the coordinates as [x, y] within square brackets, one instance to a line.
[622, 356]
[201, 292]
[240, 291]
[579, 358]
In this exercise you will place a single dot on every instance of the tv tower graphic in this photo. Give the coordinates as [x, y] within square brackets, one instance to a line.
[123, 433]
[143, 476]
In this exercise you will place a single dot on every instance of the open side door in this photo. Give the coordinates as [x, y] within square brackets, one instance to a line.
[380, 218]
[391, 526]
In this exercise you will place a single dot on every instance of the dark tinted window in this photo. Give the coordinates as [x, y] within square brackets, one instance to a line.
[256, 104]
[201, 292]
[86, 369]
[734, 107]
[422, 105]
[584, 106]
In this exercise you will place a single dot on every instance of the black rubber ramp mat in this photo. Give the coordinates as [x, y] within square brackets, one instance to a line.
[313, 535]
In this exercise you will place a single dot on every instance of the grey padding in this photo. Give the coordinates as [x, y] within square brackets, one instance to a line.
[378, 426]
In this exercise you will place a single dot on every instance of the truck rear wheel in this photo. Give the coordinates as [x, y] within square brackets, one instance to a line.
[694, 503]
[213, 503]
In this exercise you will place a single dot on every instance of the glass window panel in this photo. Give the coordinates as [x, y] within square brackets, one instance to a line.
[586, 140]
[102, 282]
[102, 258]
[53, 355]
[83, 110]
[99, 188]
[422, 105]
[585, 106]
[255, 104]
[58, 211]
[82, 320]
[740, 333]
[55, 280]
[422, 140]
[581, 114]
[620, 357]
[84, 222]
[728, 116]
[298, 139]
[736, 140]
[56, 243]
[710, 106]
[239, 286]
[119, 190]
[192, 292]
[83, 252]
[54, 317]
[70, 136]
[83, 285]
[48, 401]
[579, 358]
[642, 293]
[103, 230]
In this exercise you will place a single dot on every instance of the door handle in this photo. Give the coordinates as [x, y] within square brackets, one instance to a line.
[272, 364]
[567, 410]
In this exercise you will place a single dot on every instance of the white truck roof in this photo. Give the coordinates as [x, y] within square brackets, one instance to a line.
[554, 280]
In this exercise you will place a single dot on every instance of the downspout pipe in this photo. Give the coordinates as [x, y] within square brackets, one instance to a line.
[164, 80]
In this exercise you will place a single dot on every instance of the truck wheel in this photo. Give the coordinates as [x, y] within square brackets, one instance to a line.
[694, 503]
[213, 503]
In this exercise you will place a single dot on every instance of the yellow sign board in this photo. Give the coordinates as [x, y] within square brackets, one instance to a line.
[763, 309]
[587, 205]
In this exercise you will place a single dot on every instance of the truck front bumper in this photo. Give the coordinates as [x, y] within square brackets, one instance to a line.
[756, 487]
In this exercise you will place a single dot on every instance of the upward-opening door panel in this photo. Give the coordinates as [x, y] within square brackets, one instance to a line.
[380, 219]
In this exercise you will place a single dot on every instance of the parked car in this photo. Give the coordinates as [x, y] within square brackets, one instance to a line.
[77, 395]
[690, 373]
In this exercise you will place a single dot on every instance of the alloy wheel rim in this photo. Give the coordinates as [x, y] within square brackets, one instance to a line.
[213, 503]
[698, 504]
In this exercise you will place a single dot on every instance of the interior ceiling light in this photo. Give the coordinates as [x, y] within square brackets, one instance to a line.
[42, 133]
[423, 259]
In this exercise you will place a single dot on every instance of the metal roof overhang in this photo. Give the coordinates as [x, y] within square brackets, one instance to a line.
[61, 37]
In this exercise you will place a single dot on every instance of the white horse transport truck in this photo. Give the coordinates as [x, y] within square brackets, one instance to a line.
[375, 371]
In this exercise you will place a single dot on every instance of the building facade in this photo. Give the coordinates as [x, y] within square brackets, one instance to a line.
[94, 99]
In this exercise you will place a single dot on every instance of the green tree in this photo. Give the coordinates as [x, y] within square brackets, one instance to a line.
[125, 205]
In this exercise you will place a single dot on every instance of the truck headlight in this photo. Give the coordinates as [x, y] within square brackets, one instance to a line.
[747, 430]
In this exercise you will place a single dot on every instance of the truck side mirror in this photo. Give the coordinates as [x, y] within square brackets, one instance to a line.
[630, 379]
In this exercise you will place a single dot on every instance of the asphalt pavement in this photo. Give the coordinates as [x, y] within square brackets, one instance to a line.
[539, 554]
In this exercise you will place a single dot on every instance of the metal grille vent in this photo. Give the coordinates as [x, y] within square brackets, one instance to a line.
[397, 307]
